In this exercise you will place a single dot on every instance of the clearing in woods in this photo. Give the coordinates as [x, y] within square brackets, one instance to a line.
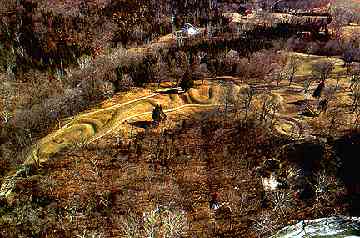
[119, 113]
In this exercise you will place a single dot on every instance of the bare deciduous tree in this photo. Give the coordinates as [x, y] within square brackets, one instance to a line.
[246, 96]
[125, 83]
[355, 97]
[306, 86]
[6, 92]
[322, 69]
[7, 6]
[278, 75]
[291, 68]
[160, 71]
[354, 81]
[312, 48]
[356, 123]
[271, 104]
[165, 221]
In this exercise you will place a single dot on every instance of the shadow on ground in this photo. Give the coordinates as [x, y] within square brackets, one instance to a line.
[347, 153]
[141, 124]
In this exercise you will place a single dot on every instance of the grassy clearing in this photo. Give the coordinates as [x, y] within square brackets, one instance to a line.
[96, 123]
[308, 60]
[138, 105]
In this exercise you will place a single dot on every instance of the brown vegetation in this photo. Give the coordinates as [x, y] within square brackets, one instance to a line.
[59, 60]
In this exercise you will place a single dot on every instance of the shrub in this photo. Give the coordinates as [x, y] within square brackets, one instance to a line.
[294, 44]
[312, 48]
[187, 81]
[166, 221]
[140, 72]
[332, 47]
[322, 69]
[216, 66]
[125, 84]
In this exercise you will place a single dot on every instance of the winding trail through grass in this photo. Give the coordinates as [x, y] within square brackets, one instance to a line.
[89, 127]
[148, 113]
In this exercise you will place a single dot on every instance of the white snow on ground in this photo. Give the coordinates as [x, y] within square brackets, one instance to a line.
[323, 227]
[270, 184]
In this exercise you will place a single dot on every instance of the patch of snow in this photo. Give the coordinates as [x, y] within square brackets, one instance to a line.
[215, 206]
[190, 30]
[323, 227]
[270, 184]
